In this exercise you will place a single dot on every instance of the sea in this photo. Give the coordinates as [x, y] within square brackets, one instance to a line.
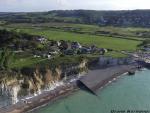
[128, 94]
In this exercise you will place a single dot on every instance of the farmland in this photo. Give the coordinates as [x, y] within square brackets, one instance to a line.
[115, 38]
[61, 31]
[100, 41]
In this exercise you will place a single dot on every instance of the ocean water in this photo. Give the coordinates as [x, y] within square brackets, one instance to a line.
[126, 93]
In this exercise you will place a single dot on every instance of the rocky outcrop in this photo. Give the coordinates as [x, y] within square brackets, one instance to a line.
[48, 79]
[20, 84]
[10, 89]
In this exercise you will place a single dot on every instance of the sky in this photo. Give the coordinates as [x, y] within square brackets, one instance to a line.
[47, 5]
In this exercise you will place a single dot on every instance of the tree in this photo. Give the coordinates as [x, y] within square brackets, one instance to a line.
[2, 59]
[145, 43]
[6, 59]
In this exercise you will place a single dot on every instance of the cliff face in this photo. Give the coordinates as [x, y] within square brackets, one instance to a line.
[18, 85]
[10, 89]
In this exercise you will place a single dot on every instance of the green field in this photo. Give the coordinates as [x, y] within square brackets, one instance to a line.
[30, 61]
[26, 62]
[117, 38]
[121, 32]
[115, 54]
[100, 41]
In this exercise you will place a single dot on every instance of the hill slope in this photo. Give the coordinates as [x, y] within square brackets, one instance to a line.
[136, 18]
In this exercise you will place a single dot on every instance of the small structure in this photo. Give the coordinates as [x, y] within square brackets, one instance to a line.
[85, 50]
[131, 72]
[110, 61]
[41, 39]
[69, 52]
[147, 48]
[76, 45]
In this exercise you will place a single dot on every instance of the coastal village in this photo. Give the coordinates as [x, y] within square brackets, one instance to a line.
[49, 81]
[74, 56]
[58, 76]
[61, 47]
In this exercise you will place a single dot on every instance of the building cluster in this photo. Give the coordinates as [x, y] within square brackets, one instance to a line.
[63, 47]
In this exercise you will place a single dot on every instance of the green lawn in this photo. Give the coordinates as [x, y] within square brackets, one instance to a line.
[32, 62]
[26, 62]
[115, 54]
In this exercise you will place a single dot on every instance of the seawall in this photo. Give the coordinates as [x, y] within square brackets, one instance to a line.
[98, 78]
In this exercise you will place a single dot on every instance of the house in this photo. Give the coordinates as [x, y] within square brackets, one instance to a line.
[146, 48]
[91, 49]
[102, 51]
[76, 45]
[64, 45]
[49, 56]
[36, 56]
[53, 50]
[41, 39]
[85, 50]
[54, 43]
[58, 43]
[69, 52]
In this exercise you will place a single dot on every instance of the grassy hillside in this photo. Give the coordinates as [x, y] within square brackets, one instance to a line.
[120, 32]
[115, 30]
[134, 18]
[106, 37]
[100, 41]
[72, 32]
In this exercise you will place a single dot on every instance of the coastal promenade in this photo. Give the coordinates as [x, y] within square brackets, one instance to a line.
[94, 79]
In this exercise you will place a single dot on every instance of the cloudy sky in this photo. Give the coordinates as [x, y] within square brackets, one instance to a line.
[46, 5]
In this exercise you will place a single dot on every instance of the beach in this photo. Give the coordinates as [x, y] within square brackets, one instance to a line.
[107, 75]
[28, 104]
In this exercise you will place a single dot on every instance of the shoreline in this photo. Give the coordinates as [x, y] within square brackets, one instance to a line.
[49, 97]
[100, 77]
[72, 93]
[54, 100]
